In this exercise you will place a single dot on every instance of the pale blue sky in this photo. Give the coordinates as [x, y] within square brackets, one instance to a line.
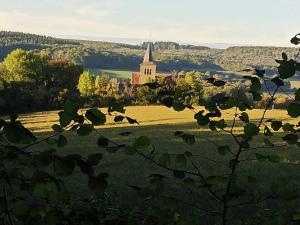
[252, 22]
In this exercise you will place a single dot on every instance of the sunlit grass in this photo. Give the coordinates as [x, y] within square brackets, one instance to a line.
[145, 115]
[159, 124]
[121, 74]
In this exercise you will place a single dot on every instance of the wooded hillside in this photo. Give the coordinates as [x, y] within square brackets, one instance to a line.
[170, 55]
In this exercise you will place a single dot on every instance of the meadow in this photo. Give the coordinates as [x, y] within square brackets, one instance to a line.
[120, 74]
[159, 123]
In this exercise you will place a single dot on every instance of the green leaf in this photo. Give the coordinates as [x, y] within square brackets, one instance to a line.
[85, 129]
[64, 119]
[267, 132]
[180, 160]
[13, 118]
[142, 142]
[277, 81]
[85, 167]
[297, 95]
[256, 96]
[260, 73]
[119, 118]
[179, 174]
[132, 121]
[94, 159]
[70, 109]
[223, 150]
[62, 141]
[284, 56]
[103, 141]
[44, 158]
[295, 40]
[63, 167]
[288, 127]
[294, 109]
[95, 116]
[13, 132]
[98, 184]
[276, 125]
[164, 159]
[167, 101]
[178, 133]
[178, 106]
[201, 119]
[243, 106]
[116, 107]
[57, 128]
[250, 130]
[255, 84]
[291, 139]
[244, 117]
[219, 83]
[286, 69]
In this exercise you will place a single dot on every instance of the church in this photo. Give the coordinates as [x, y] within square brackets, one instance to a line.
[148, 70]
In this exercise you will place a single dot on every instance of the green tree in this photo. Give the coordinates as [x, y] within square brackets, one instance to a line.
[24, 66]
[101, 84]
[146, 95]
[86, 84]
[3, 72]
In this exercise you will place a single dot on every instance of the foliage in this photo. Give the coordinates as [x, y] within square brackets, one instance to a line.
[33, 180]
[101, 84]
[170, 56]
[23, 66]
[86, 84]
[36, 82]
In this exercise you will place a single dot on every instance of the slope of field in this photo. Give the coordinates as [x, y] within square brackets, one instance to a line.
[120, 74]
[159, 123]
[146, 115]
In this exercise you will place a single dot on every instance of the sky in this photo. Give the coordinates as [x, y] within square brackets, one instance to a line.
[236, 22]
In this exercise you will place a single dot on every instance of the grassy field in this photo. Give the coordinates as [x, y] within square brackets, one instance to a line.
[121, 74]
[159, 123]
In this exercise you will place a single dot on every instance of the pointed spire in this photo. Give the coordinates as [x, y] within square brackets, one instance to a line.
[148, 58]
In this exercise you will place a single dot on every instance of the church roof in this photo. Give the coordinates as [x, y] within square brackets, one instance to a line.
[148, 58]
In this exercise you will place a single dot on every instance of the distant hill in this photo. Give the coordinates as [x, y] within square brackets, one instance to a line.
[169, 55]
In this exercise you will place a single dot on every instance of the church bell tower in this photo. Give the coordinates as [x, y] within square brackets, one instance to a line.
[148, 67]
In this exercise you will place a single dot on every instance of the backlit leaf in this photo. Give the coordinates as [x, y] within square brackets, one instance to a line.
[95, 116]
[63, 167]
[294, 109]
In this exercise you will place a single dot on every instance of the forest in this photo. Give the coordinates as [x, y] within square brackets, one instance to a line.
[169, 55]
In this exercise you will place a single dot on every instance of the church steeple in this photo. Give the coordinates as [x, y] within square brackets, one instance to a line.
[149, 58]
[148, 67]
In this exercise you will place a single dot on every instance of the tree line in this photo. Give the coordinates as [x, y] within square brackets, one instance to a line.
[37, 81]
[169, 55]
